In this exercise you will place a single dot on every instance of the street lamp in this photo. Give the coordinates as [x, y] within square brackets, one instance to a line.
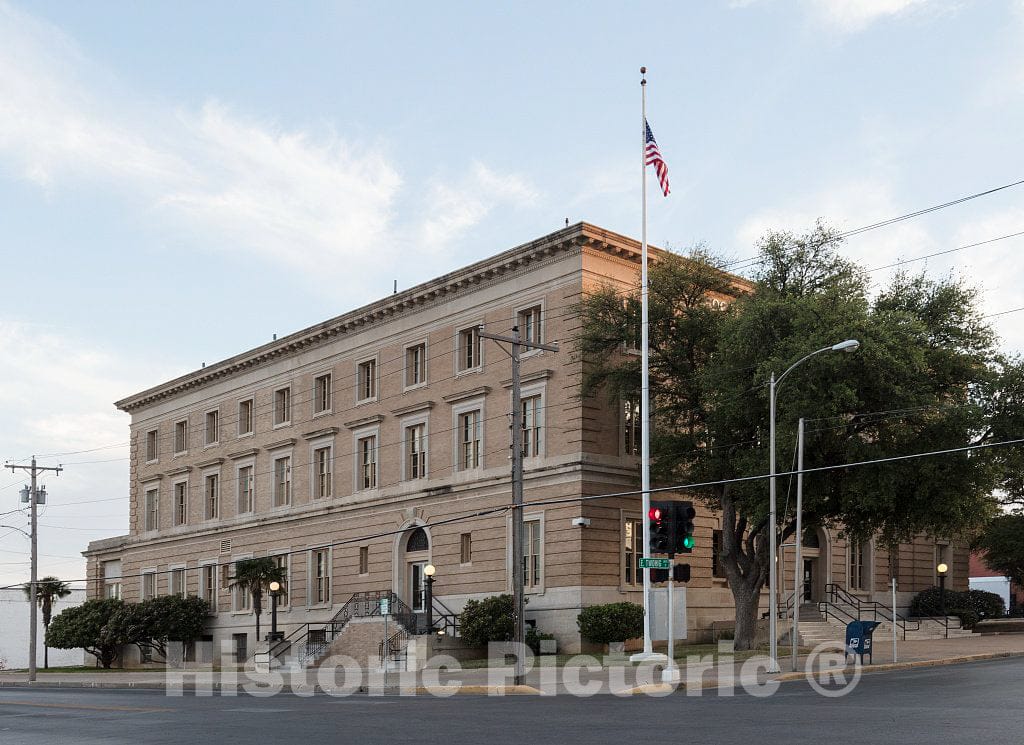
[275, 589]
[849, 345]
[942, 569]
[429, 571]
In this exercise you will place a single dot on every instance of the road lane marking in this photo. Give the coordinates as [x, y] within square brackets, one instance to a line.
[83, 707]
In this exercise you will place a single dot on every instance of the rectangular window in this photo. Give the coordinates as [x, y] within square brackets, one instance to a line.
[149, 585]
[367, 451]
[465, 548]
[245, 417]
[177, 582]
[469, 439]
[241, 598]
[282, 406]
[212, 490]
[245, 490]
[367, 381]
[469, 349]
[857, 566]
[717, 570]
[532, 422]
[322, 465]
[633, 547]
[416, 451]
[364, 559]
[532, 546]
[322, 394]
[415, 365]
[529, 324]
[180, 437]
[321, 571]
[631, 427]
[208, 585]
[153, 509]
[112, 579]
[212, 427]
[181, 503]
[282, 481]
[152, 445]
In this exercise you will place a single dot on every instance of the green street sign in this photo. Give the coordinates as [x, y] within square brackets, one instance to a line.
[385, 606]
[655, 563]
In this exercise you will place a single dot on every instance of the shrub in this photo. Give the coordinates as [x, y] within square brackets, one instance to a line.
[985, 604]
[614, 622]
[533, 638]
[487, 620]
[981, 603]
[968, 617]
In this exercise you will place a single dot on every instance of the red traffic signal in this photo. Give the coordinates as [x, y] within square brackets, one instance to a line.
[654, 514]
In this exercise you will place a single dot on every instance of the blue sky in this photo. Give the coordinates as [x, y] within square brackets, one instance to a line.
[179, 181]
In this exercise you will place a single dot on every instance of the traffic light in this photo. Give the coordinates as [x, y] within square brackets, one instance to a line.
[661, 516]
[681, 573]
[659, 575]
[683, 541]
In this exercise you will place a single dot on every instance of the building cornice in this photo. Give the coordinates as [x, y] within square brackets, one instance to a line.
[571, 239]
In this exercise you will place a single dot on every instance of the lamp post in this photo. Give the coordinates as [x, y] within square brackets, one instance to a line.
[850, 345]
[275, 589]
[942, 569]
[429, 571]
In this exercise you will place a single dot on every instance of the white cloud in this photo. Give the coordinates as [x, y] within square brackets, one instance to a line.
[851, 16]
[451, 209]
[294, 196]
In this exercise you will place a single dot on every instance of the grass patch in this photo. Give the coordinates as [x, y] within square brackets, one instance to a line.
[681, 655]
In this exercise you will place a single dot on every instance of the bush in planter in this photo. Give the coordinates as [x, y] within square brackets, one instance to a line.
[487, 620]
[534, 638]
[983, 604]
[614, 622]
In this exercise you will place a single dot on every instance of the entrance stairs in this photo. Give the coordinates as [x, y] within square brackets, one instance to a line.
[826, 621]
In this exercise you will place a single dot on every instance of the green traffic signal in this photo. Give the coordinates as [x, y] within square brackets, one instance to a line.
[688, 542]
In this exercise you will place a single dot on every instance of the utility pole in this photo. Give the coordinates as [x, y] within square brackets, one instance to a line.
[518, 567]
[34, 581]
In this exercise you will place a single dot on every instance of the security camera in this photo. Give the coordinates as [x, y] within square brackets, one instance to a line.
[581, 522]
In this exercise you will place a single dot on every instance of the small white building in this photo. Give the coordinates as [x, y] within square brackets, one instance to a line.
[14, 631]
[999, 585]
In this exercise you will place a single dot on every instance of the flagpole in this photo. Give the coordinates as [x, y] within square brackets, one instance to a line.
[645, 419]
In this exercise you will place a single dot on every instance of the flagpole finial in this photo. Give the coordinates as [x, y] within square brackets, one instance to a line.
[643, 71]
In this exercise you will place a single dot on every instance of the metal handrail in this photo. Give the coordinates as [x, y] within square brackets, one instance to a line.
[839, 596]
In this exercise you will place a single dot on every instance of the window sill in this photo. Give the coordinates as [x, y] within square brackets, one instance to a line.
[152, 462]
[365, 401]
[321, 606]
[325, 412]
[469, 371]
[414, 387]
[282, 425]
[180, 454]
[243, 435]
[241, 613]
[209, 445]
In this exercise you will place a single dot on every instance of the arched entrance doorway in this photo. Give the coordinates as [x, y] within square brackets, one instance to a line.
[812, 573]
[414, 549]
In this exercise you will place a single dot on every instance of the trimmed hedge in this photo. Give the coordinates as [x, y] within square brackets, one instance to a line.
[980, 603]
[487, 620]
[614, 622]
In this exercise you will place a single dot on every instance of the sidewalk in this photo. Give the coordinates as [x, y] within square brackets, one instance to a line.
[611, 679]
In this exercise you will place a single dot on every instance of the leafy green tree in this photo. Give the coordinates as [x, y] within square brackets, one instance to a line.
[48, 591]
[149, 625]
[1003, 543]
[85, 627]
[255, 576]
[927, 359]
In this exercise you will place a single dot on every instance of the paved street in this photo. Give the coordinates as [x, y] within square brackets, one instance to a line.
[970, 703]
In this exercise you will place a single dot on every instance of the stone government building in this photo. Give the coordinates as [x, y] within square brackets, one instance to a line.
[334, 449]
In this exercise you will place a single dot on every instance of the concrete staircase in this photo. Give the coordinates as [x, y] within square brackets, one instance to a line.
[816, 629]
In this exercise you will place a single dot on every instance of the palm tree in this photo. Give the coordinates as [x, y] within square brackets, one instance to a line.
[48, 590]
[254, 575]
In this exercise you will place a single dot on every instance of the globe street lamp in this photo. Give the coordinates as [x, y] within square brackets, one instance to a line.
[942, 569]
[275, 590]
[850, 345]
[429, 571]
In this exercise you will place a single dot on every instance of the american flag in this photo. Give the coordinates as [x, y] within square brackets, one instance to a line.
[652, 156]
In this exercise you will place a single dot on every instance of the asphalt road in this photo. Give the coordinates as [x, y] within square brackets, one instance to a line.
[971, 704]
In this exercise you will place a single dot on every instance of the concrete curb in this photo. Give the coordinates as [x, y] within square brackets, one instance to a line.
[893, 666]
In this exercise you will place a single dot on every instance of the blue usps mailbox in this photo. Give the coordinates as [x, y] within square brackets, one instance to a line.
[858, 639]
